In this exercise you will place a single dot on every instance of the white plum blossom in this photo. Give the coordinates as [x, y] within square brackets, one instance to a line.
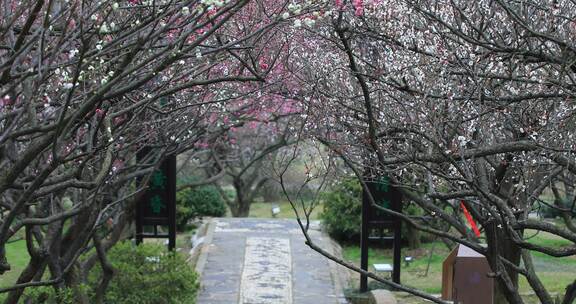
[73, 53]
[104, 28]
[309, 22]
[214, 3]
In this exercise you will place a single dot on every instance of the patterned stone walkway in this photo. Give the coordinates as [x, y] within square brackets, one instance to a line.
[255, 261]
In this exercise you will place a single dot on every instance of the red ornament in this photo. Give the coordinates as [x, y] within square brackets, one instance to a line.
[470, 219]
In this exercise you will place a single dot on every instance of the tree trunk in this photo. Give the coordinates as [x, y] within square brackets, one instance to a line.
[243, 209]
[241, 205]
[413, 236]
[506, 280]
[570, 296]
[107, 271]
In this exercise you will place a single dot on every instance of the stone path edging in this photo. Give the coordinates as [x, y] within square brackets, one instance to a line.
[203, 256]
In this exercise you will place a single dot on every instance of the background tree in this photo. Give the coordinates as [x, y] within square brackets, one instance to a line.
[242, 154]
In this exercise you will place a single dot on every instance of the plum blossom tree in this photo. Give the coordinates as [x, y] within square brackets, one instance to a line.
[454, 101]
[84, 86]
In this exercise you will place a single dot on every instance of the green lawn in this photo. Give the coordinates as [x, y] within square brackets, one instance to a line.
[18, 258]
[555, 273]
[414, 274]
[264, 210]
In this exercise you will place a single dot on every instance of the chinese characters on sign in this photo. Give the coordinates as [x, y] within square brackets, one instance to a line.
[157, 183]
[384, 196]
[159, 194]
[156, 204]
[156, 211]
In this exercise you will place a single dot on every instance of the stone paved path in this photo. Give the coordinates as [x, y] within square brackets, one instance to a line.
[255, 261]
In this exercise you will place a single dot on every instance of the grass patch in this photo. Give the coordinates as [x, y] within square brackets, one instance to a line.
[264, 210]
[18, 257]
[413, 275]
[555, 273]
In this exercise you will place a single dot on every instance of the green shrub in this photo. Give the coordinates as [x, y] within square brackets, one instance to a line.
[183, 215]
[342, 215]
[198, 202]
[144, 274]
[47, 295]
[148, 274]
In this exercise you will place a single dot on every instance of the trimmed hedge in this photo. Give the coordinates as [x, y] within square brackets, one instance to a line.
[197, 202]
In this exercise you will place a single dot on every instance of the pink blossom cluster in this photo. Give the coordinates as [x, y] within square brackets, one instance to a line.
[202, 144]
[358, 7]
[5, 101]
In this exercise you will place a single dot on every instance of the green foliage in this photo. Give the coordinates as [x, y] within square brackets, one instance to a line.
[149, 274]
[144, 274]
[47, 295]
[198, 202]
[183, 215]
[230, 193]
[342, 215]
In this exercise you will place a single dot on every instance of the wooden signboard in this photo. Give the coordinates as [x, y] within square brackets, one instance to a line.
[157, 207]
[389, 197]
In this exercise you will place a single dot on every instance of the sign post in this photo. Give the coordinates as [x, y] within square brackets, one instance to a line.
[157, 208]
[389, 197]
